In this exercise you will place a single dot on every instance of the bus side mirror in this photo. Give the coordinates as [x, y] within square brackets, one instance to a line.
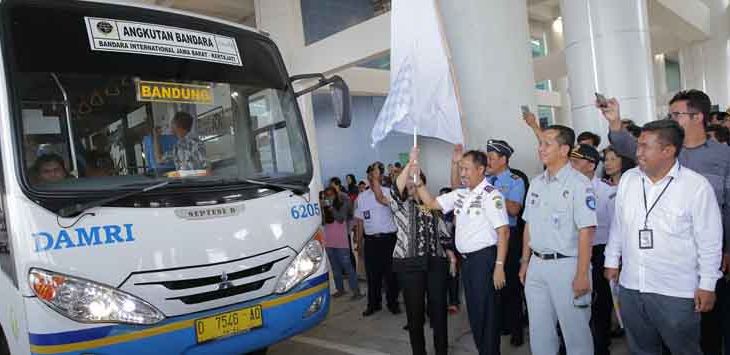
[339, 93]
[341, 102]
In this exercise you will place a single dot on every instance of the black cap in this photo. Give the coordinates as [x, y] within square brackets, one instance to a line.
[500, 147]
[586, 152]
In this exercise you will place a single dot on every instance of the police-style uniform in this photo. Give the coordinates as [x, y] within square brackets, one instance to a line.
[478, 212]
[602, 306]
[557, 208]
[380, 238]
[512, 188]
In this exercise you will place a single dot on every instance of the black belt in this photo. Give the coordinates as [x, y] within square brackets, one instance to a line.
[549, 256]
[468, 255]
[380, 235]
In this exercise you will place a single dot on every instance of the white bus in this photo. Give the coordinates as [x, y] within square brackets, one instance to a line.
[157, 184]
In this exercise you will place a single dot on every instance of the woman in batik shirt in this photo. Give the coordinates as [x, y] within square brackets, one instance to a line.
[421, 260]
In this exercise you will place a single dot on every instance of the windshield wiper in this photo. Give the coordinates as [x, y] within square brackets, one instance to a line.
[78, 208]
[297, 189]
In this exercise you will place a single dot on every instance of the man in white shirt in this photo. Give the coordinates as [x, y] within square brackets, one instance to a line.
[585, 158]
[376, 227]
[482, 232]
[667, 235]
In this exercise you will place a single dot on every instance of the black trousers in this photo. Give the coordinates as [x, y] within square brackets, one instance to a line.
[481, 298]
[453, 285]
[602, 304]
[379, 268]
[714, 323]
[416, 285]
[511, 297]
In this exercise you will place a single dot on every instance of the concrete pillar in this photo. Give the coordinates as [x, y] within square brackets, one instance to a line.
[706, 65]
[692, 67]
[608, 50]
[494, 75]
[563, 114]
[660, 76]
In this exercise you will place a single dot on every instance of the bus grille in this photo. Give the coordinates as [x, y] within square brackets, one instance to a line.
[191, 289]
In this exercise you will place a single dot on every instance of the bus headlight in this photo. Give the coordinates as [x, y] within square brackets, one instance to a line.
[304, 265]
[90, 302]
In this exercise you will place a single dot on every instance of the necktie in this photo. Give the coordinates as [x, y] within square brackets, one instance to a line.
[492, 180]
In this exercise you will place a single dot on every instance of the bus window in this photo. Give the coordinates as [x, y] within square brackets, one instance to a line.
[126, 130]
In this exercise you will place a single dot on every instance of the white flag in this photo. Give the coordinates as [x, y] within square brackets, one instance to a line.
[421, 87]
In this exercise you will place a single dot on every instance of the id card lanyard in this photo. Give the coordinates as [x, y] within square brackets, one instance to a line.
[646, 235]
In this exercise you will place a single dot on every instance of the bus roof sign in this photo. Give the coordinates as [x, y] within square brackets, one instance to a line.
[111, 35]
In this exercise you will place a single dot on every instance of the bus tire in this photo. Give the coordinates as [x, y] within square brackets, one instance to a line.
[259, 352]
[4, 348]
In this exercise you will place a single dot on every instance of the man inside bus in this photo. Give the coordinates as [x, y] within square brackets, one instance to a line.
[48, 169]
[189, 152]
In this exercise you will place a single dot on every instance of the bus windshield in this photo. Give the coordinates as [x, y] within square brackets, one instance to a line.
[91, 120]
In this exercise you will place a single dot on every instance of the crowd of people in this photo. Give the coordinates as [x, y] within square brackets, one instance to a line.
[643, 223]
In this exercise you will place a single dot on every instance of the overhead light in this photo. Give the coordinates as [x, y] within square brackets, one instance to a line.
[558, 25]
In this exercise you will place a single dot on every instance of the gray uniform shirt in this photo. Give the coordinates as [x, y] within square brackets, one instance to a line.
[711, 160]
[557, 208]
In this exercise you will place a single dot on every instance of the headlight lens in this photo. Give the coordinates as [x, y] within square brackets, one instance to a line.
[86, 301]
[304, 265]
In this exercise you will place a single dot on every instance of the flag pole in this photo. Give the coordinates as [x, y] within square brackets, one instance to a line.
[449, 59]
[415, 144]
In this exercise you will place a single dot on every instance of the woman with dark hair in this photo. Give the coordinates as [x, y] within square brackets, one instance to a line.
[421, 260]
[615, 165]
[337, 243]
[352, 189]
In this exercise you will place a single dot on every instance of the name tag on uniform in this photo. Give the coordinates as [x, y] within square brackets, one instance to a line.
[556, 220]
[646, 239]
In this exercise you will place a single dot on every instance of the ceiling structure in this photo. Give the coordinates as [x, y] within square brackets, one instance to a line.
[240, 11]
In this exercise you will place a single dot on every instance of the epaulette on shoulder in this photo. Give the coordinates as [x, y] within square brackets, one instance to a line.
[516, 177]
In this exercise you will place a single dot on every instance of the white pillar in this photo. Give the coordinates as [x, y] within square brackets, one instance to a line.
[563, 114]
[660, 76]
[608, 51]
[494, 75]
[706, 65]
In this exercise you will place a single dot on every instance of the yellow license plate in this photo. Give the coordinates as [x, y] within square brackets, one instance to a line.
[227, 324]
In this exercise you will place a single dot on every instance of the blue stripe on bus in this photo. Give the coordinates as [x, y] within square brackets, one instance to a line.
[77, 336]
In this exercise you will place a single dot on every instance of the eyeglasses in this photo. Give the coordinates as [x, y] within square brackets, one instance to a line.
[675, 115]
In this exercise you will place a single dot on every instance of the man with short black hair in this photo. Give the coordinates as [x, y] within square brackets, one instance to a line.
[667, 237]
[691, 109]
[560, 221]
[482, 233]
[589, 138]
[585, 158]
[718, 133]
[377, 229]
[189, 152]
[513, 189]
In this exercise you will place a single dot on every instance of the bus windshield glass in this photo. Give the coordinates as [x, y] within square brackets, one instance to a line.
[121, 98]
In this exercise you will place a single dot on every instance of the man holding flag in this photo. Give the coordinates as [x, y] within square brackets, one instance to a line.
[482, 232]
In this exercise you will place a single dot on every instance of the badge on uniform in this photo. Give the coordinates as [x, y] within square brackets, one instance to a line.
[566, 193]
[646, 239]
[591, 202]
[366, 214]
[498, 203]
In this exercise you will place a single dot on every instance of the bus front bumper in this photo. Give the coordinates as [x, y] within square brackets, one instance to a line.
[283, 316]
